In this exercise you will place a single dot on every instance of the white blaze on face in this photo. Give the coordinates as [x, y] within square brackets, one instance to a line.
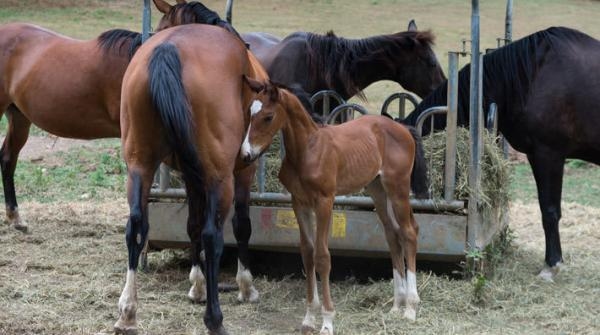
[247, 148]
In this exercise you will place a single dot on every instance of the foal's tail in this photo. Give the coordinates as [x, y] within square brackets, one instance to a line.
[419, 180]
[170, 100]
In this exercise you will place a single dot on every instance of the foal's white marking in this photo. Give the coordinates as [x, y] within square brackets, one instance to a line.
[255, 107]
[310, 317]
[244, 280]
[412, 297]
[197, 292]
[391, 215]
[328, 316]
[399, 291]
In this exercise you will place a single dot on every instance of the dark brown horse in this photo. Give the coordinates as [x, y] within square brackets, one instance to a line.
[183, 96]
[371, 152]
[68, 87]
[315, 62]
[547, 88]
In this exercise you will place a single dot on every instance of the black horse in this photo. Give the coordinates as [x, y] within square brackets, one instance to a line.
[328, 62]
[547, 88]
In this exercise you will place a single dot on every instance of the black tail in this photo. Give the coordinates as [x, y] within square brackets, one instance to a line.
[419, 179]
[169, 99]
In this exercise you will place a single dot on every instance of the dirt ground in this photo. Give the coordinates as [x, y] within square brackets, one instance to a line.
[65, 277]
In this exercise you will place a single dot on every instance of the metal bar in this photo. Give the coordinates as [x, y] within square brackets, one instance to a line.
[402, 97]
[345, 108]
[508, 24]
[164, 181]
[228, 10]
[146, 25]
[357, 201]
[261, 178]
[436, 110]
[451, 120]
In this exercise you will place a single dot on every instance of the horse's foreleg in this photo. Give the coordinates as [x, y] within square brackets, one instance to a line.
[323, 211]
[548, 168]
[138, 187]
[216, 209]
[305, 217]
[16, 137]
[242, 229]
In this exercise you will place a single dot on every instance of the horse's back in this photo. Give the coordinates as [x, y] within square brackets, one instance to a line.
[261, 44]
[287, 62]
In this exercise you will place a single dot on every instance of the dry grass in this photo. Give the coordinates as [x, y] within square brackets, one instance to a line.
[66, 277]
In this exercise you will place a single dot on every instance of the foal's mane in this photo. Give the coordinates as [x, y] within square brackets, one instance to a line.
[507, 73]
[117, 39]
[339, 58]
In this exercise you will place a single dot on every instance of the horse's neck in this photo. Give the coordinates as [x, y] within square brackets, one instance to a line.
[297, 130]
[370, 69]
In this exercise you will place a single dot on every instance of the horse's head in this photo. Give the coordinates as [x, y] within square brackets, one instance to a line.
[420, 72]
[173, 14]
[267, 117]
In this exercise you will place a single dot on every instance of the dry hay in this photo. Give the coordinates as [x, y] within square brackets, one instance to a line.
[66, 278]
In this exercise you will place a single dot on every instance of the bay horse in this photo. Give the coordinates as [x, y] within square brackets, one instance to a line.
[67, 87]
[316, 62]
[183, 96]
[547, 88]
[320, 162]
[195, 12]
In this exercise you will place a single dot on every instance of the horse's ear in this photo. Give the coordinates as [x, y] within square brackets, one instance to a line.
[253, 84]
[162, 6]
[181, 2]
[272, 90]
[412, 26]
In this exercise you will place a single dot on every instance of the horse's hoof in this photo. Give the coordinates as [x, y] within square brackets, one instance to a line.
[548, 273]
[219, 331]
[395, 310]
[410, 314]
[326, 331]
[125, 329]
[21, 226]
[307, 330]
[250, 295]
[197, 294]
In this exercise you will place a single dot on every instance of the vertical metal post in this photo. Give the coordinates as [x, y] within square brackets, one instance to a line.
[508, 24]
[262, 172]
[475, 120]
[146, 24]
[402, 107]
[451, 119]
[228, 10]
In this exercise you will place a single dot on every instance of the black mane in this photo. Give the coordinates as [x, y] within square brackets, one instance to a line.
[196, 12]
[507, 75]
[340, 57]
[117, 39]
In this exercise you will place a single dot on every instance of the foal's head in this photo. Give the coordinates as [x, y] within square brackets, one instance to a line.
[267, 116]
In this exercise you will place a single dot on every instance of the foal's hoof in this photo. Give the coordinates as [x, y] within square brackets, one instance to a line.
[250, 295]
[410, 314]
[548, 273]
[197, 294]
[326, 331]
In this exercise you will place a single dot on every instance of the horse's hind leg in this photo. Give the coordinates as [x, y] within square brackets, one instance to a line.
[138, 188]
[16, 137]
[405, 230]
[376, 191]
[242, 229]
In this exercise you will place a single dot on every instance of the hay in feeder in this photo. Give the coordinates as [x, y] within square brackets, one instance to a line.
[495, 169]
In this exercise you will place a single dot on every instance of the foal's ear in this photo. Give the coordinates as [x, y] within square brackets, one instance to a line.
[253, 84]
[412, 26]
[162, 6]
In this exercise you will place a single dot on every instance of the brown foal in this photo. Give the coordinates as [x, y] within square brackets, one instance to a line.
[371, 152]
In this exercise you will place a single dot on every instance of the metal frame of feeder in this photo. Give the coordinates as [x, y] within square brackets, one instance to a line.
[448, 226]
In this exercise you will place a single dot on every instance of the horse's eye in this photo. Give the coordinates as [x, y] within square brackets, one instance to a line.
[268, 118]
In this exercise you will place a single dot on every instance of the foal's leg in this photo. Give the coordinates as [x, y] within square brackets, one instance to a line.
[242, 230]
[305, 217]
[138, 188]
[406, 231]
[323, 211]
[16, 136]
[548, 167]
[376, 191]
